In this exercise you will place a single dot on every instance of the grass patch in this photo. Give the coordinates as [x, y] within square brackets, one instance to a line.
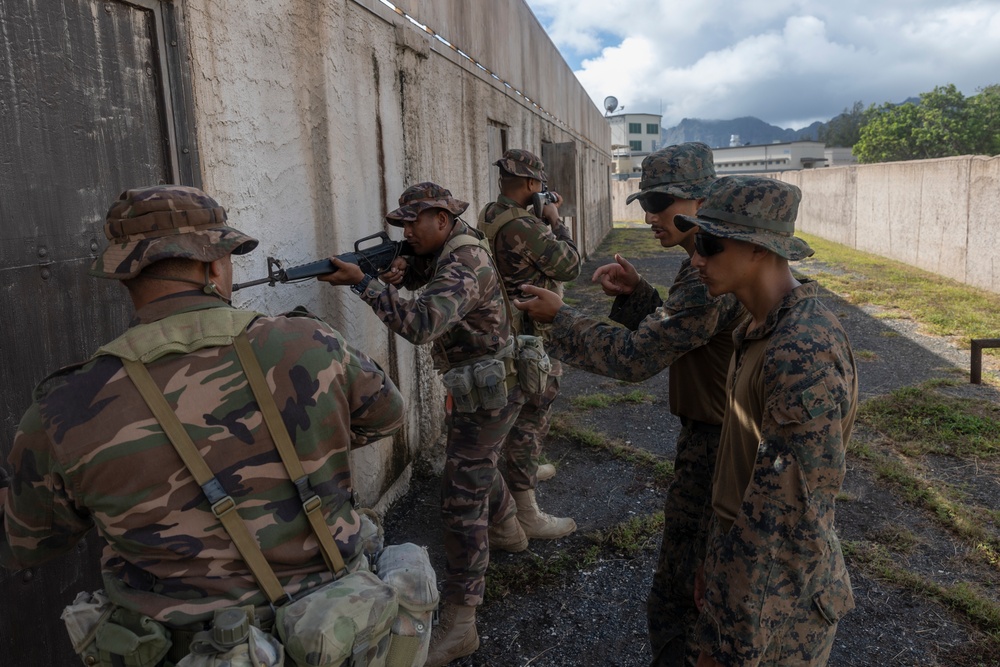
[962, 597]
[632, 243]
[921, 420]
[600, 400]
[661, 469]
[528, 574]
[632, 536]
[865, 355]
[894, 537]
[943, 306]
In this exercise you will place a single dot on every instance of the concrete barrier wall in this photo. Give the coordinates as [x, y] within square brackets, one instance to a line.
[313, 117]
[938, 215]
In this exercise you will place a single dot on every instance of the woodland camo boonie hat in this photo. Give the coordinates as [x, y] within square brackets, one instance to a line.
[148, 224]
[518, 162]
[420, 197]
[685, 171]
[753, 209]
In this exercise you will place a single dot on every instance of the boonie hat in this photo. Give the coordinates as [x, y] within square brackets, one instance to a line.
[420, 197]
[159, 222]
[685, 171]
[520, 162]
[753, 209]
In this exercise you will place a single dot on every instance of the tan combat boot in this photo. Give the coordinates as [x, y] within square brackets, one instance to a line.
[545, 472]
[508, 536]
[454, 636]
[537, 523]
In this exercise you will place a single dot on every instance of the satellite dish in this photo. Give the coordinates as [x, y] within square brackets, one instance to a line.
[610, 104]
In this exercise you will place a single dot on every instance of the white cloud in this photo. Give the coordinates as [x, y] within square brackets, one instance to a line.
[785, 61]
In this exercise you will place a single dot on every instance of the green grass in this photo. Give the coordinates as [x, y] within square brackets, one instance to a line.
[600, 400]
[944, 307]
[921, 420]
[661, 469]
[632, 243]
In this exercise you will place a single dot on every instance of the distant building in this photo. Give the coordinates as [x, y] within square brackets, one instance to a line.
[633, 137]
[784, 156]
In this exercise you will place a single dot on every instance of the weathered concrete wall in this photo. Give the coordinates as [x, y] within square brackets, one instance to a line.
[313, 117]
[938, 215]
[620, 190]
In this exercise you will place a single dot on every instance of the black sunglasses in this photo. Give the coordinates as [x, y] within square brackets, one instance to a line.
[707, 245]
[655, 202]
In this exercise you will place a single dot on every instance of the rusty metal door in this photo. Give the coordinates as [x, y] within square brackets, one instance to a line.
[92, 101]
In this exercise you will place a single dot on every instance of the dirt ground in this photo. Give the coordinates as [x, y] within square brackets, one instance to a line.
[582, 610]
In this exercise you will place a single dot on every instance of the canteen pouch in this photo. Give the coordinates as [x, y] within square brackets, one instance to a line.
[347, 621]
[82, 618]
[234, 642]
[533, 365]
[491, 383]
[407, 568]
[129, 639]
[460, 384]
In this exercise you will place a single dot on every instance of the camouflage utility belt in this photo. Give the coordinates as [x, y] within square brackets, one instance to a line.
[482, 382]
[360, 619]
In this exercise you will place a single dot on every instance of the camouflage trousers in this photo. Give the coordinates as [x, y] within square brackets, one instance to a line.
[524, 444]
[687, 511]
[473, 494]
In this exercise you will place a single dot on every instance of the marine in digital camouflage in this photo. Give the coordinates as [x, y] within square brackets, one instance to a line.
[459, 309]
[691, 333]
[775, 581]
[795, 382]
[159, 222]
[686, 171]
[89, 453]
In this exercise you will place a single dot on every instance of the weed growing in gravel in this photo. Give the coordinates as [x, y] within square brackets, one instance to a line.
[662, 469]
[599, 400]
[632, 536]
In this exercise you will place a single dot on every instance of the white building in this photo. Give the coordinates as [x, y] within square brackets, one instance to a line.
[633, 137]
[784, 156]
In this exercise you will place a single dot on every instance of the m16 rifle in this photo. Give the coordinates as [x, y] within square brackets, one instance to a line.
[373, 259]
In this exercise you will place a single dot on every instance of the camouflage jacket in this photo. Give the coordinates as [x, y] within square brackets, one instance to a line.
[88, 453]
[791, 406]
[460, 309]
[691, 332]
[527, 250]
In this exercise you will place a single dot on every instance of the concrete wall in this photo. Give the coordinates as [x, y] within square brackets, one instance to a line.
[620, 190]
[938, 215]
[313, 117]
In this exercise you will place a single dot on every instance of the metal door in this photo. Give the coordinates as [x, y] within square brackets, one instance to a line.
[92, 101]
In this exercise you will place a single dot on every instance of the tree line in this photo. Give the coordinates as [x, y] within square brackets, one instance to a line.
[942, 123]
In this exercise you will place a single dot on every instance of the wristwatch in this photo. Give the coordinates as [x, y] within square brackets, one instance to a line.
[359, 288]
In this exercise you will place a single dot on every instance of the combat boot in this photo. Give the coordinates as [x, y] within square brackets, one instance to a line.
[537, 523]
[454, 636]
[508, 536]
[545, 472]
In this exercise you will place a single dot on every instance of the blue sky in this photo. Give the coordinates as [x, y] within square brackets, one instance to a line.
[788, 62]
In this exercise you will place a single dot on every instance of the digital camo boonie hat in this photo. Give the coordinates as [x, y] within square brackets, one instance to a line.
[685, 171]
[520, 162]
[146, 225]
[420, 197]
[753, 209]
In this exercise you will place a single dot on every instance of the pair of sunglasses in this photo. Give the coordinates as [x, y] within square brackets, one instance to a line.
[707, 245]
[656, 202]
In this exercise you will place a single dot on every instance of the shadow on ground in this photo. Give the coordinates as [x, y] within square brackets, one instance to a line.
[584, 605]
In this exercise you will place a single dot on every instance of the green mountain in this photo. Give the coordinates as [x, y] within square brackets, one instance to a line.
[750, 130]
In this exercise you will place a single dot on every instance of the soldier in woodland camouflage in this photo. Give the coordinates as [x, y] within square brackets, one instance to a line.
[775, 584]
[461, 311]
[533, 251]
[89, 453]
[690, 332]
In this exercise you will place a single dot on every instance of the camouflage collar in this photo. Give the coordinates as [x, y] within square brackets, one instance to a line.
[179, 302]
[809, 289]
